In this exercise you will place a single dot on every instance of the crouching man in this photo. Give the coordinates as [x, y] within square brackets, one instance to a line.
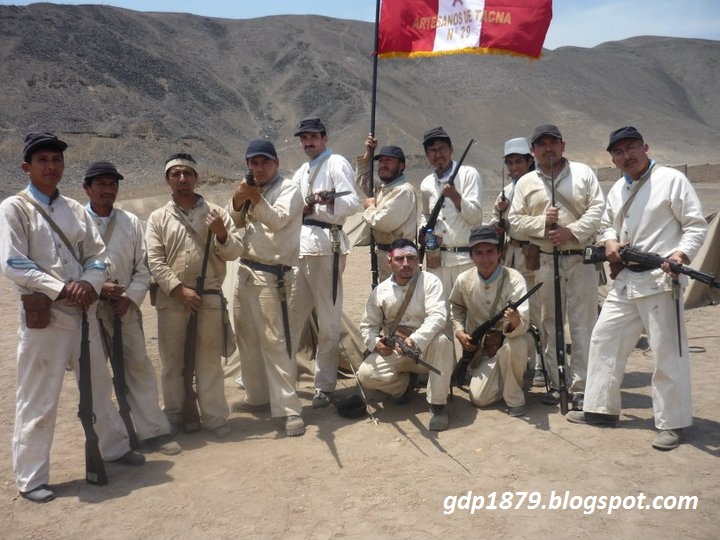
[500, 360]
[405, 315]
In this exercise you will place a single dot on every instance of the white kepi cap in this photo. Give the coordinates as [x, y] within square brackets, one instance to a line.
[516, 146]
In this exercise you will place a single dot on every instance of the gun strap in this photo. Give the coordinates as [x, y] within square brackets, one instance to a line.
[637, 184]
[406, 300]
[562, 200]
[24, 195]
[195, 235]
[315, 173]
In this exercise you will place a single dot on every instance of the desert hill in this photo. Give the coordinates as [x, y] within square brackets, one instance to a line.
[134, 87]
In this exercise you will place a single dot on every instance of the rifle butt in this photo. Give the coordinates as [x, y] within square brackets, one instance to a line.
[94, 467]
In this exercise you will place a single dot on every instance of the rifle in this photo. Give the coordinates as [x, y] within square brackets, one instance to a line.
[190, 413]
[397, 341]
[94, 466]
[503, 198]
[650, 261]
[250, 179]
[327, 195]
[559, 330]
[117, 362]
[435, 213]
[458, 376]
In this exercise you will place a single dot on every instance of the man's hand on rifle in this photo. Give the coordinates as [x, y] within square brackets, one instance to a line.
[502, 205]
[383, 349]
[190, 299]
[612, 251]
[370, 143]
[80, 293]
[245, 192]
[512, 319]
[370, 201]
[558, 235]
[453, 194]
[214, 222]
[111, 290]
[678, 257]
[465, 340]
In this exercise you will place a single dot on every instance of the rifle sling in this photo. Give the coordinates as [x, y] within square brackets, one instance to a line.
[24, 195]
[406, 300]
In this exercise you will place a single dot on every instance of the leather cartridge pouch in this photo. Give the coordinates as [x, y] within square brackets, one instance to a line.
[492, 341]
[433, 257]
[37, 309]
[532, 256]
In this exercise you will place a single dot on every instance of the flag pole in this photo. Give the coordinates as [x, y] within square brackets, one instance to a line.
[371, 180]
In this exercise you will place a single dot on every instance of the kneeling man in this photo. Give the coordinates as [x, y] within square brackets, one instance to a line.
[405, 317]
[500, 360]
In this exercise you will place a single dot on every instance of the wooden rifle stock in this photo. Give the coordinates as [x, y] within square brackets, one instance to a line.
[435, 213]
[94, 466]
[190, 413]
[559, 323]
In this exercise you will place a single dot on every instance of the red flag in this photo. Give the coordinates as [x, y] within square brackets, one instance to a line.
[411, 28]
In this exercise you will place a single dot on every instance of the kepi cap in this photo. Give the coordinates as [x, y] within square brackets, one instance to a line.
[483, 233]
[435, 133]
[42, 140]
[260, 147]
[545, 129]
[627, 132]
[391, 151]
[518, 145]
[101, 168]
[310, 125]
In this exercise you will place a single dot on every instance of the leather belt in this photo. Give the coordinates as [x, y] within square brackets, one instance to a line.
[566, 252]
[518, 243]
[321, 224]
[262, 267]
[462, 249]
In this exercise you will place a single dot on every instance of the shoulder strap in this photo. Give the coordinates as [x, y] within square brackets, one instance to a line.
[193, 234]
[315, 173]
[406, 300]
[628, 203]
[50, 221]
[109, 229]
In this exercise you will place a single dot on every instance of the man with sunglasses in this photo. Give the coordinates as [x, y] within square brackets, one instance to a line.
[652, 209]
[408, 306]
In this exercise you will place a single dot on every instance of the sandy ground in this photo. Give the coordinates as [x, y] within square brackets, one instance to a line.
[356, 479]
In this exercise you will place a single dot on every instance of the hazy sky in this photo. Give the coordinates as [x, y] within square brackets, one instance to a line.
[583, 23]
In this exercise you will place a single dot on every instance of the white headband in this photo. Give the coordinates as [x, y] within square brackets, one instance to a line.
[179, 161]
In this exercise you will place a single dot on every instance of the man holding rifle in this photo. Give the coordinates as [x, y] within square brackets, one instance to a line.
[447, 254]
[269, 211]
[652, 209]
[391, 212]
[176, 242]
[55, 258]
[499, 361]
[565, 227]
[127, 279]
[323, 250]
[408, 306]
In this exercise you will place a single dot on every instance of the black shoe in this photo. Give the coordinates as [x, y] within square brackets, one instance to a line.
[40, 494]
[552, 397]
[131, 458]
[439, 421]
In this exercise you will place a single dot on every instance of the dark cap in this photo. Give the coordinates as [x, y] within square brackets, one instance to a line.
[391, 151]
[101, 168]
[483, 233]
[627, 132]
[41, 140]
[435, 133]
[260, 147]
[545, 129]
[310, 125]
